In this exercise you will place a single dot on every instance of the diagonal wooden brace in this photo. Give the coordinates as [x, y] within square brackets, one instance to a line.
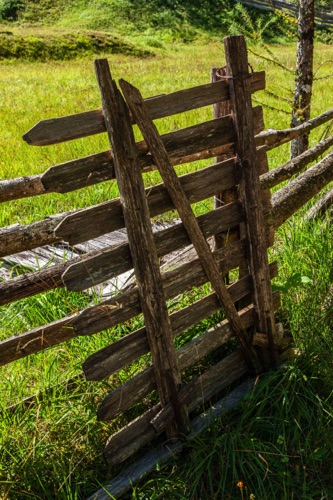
[138, 109]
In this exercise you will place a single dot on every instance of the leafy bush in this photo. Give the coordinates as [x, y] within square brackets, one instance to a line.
[9, 9]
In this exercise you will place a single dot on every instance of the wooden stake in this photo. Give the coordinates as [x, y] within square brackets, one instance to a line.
[182, 204]
[142, 246]
[240, 98]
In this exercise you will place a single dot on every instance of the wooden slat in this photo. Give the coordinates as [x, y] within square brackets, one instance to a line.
[240, 99]
[191, 353]
[139, 432]
[53, 131]
[126, 305]
[79, 173]
[96, 168]
[18, 238]
[106, 217]
[33, 283]
[106, 264]
[137, 388]
[99, 266]
[127, 349]
[176, 192]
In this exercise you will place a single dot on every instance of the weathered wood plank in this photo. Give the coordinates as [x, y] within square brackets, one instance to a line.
[33, 283]
[142, 247]
[111, 262]
[79, 173]
[21, 187]
[113, 311]
[53, 131]
[127, 349]
[67, 128]
[21, 237]
[107, 217]
[126, 305]
[142, 384]
[99, 167]
[294, 166]
[106, 264]
[139, 432]
[290, 198]
[36, 340]
[18, 238]
[176, 192]
[240, 98]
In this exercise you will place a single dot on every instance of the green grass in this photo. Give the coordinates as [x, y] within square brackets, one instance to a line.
[278, 443]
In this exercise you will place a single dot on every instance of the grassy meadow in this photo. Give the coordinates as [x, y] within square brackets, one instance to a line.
[278, 443]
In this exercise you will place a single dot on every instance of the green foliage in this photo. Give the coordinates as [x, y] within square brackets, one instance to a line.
[9, 9]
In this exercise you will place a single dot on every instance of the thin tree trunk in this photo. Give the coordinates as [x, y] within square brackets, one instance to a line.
[304, 74]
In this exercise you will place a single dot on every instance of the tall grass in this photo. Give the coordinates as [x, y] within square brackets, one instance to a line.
[277, 443]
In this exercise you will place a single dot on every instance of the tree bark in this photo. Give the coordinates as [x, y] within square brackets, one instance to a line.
[304, 74]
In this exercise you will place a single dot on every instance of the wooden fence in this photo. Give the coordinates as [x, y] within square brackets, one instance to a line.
[323, 13]
[246, 224]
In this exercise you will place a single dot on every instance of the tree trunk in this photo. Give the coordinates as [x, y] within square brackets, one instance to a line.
[304, 74]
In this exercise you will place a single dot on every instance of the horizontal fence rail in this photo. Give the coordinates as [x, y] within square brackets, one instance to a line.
[323, 13]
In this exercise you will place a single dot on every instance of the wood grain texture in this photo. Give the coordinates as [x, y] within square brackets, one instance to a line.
[141, 431]
[20, 237]
[101, 266]
[142, 247]
[240, 98]
[106, 217]
[53, 131]
[287, 200]
[176, 192]
[79, 173]
[21, 187]
[126, 350]
[126, 305]
[294, 166]
[83, 172]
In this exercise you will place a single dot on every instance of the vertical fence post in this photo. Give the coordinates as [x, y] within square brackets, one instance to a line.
[142, 247]
[240, 99]
[227, 195]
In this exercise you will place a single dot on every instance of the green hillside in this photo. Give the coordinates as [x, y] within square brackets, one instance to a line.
[111, 26]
